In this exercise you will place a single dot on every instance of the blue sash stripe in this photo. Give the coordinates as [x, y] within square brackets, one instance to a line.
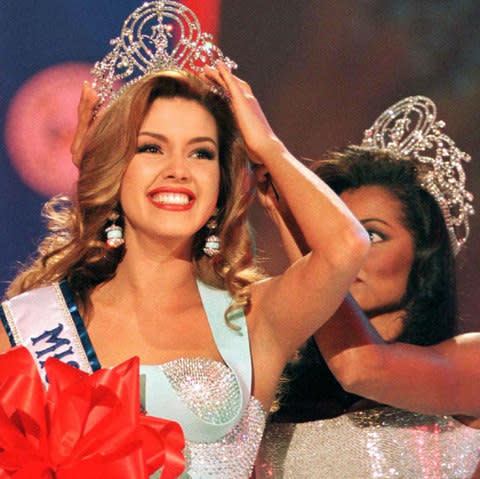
[79, 325]
[6, 326]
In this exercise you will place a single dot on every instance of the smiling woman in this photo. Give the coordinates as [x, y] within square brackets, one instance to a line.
[176, 167]
[165, 166]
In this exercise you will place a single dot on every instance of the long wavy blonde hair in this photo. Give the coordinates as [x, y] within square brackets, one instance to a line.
[75, 247]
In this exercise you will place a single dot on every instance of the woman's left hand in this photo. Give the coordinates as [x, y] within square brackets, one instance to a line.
[257, 133]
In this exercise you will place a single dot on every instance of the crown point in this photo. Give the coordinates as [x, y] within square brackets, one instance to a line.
[147, 44]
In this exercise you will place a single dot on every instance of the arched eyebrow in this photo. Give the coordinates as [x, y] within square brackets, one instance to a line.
[378, 220]
[200, 139]
[197, 139]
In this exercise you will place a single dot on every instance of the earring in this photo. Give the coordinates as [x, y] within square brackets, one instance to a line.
[114, 232]
[212, 243]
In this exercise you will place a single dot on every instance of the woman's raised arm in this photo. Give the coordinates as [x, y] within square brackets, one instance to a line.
[292, 306]
[439, 379]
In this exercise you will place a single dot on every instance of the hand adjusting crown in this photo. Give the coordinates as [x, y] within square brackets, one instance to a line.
[159, 35]
[410, 129]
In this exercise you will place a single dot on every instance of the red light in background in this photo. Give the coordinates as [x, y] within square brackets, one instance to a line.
[40, 124]
[208, 13]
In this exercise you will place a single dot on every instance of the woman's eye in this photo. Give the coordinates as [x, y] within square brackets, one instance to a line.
[375, 236]
[204, 154]
[149, 148]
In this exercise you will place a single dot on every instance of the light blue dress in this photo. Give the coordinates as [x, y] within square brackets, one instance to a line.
[222, 422]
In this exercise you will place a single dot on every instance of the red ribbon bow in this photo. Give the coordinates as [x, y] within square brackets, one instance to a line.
[84, 426]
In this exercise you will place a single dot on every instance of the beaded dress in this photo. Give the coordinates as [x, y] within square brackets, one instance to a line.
[380, 442]
[223, 424]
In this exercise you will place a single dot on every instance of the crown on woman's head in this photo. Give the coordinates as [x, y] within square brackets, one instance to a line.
[410, 128]
[159, 35]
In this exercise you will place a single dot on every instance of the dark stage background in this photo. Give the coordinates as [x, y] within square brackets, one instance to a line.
[323, 71]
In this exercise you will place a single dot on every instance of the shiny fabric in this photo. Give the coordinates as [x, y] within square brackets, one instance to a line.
[382, 442]
[47, 322]
[106, 437]
[210, 389]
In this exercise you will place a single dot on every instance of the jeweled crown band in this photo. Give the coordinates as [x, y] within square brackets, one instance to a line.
[159, 35]
[410, 129]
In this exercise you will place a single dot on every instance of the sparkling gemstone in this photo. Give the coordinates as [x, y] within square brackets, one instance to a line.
[212, 392]
[382, 442]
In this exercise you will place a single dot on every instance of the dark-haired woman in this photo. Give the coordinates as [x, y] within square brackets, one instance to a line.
[406, 355]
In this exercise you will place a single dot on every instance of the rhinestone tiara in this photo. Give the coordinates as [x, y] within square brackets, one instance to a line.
[159, 35]
[410, 128]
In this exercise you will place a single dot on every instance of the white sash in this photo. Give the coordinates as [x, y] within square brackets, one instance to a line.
[43, 322]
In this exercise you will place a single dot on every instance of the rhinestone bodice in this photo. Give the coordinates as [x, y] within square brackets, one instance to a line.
[192, 380]
[382, 443]
[211, 391]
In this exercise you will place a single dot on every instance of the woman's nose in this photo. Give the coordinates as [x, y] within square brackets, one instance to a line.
[177, 167]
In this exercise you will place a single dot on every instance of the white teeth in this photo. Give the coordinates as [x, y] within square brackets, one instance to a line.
[171, 198]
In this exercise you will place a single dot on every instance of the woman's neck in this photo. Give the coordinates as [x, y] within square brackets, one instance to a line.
[143, 273]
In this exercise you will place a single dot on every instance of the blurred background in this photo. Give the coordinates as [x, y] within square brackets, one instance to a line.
[322, 70]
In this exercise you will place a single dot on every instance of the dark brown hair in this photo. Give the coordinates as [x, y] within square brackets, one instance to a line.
[430, 299]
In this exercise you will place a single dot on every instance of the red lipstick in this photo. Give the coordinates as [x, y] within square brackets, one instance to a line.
[171, 198]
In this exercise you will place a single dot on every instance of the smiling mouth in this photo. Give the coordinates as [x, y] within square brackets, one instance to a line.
[170, 199]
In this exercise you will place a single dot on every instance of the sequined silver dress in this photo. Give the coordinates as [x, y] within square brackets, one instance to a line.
[382, 442]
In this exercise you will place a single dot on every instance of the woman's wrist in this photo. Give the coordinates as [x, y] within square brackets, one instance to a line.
[267, 151]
